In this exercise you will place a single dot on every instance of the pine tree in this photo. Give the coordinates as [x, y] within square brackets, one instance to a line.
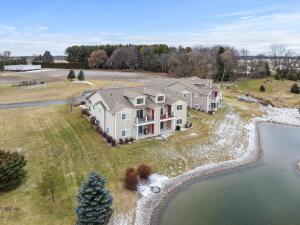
[94, 202]
[81, 76]
[71, 75]
[262, 88]
[11, 170]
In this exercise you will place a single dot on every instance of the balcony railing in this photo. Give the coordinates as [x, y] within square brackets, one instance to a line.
[167, 116]
[144, 120]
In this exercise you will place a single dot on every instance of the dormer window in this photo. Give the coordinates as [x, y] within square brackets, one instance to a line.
[140, 101]
[160, 98]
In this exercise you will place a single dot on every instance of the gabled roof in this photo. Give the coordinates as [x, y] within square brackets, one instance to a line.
[197, 80]
[190, 85]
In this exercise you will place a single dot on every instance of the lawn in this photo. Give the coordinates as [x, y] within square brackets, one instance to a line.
[277, 91]
[52, 136]
[53, 90]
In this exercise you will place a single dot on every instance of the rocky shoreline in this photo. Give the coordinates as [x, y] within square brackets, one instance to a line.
[147, 206]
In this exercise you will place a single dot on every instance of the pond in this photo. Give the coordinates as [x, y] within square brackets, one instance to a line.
[267, 193]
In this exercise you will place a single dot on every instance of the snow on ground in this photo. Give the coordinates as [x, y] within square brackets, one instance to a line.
[155, 180]
[82, 82]
[232, 137]
[283, 115]
[247, 99]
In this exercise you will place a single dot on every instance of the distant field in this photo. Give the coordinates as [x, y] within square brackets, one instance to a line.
[54, 136]
[53, 90]
[277, 91]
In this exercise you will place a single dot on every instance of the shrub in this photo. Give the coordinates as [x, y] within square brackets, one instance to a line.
[121, 141]
[11, 170]
[262, 88]
[131, 180]
[295, 88]
[93, 120]
[113, 142]
[127, 140]
[131, 139]
[190, 124]
[104, 134]
[71, 75]
[81, 76]
[186, 125]
[144, 171]
[178, 128]
[108, 139]
[84, 112]
[277, 76]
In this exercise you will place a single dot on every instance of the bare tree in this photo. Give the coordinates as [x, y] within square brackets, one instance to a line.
[124, 58]
[244, 64]
[278, 52]
[97, 58]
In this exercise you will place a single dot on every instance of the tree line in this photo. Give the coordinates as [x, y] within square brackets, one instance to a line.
[221, 63]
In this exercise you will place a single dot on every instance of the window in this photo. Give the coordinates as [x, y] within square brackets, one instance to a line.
[179, 107]
[196, 106]
[125, 116]
[184, 95]
[162, 111]
[160, 98]
[179, 122]
[140, 101]
[125, 133]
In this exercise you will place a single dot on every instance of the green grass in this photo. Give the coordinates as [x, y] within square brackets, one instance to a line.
[277, 91]
[52, 136]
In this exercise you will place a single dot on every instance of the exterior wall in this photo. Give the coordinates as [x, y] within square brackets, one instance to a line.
[203, 102]
[98, 110]
[125, 124]
[180, 114]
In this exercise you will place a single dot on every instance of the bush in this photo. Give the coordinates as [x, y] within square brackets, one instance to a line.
[104, 134]
[186, 125]
[262, 88]
[108, 139]
[113, 142]
[144, 171]
[93, 120]
[295, 89]
[190, 124]
[81, 76]
[178, 128]
[71, 75]
[11, 170]
[121, 141]
[85, 112]
[131, 139]
[131, 180]
[127, 140]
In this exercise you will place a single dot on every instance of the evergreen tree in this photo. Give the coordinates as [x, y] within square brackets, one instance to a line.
[11, 170]
[220, 65]
[295, 89]
[47, 57]
[81, 75]
[71, 75]
[94, 202]
[262, 88]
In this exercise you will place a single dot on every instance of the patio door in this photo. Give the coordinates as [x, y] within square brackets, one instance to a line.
[140, 113]
[161, 125]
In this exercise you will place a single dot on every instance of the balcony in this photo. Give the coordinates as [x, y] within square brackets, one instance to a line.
[144, 121]
[167, 117]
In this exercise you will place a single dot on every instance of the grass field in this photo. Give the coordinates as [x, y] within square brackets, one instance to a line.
[277, 91]
[53, 90]
[52, 136]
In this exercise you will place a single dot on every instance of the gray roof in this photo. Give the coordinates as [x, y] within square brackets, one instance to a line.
[117, 98]
[197, 80]
[187, 83]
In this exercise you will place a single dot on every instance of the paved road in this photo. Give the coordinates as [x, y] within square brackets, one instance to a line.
[32, 104]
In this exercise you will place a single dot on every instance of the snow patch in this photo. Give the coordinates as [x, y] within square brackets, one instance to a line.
[155, 180]
[82, 82]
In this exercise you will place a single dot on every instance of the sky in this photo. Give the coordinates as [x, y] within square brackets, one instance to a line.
[31, 27]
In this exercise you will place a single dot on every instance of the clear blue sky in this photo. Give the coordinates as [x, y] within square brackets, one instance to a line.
[31, 27]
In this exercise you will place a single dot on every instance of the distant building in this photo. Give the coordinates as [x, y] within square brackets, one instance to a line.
[21, 67]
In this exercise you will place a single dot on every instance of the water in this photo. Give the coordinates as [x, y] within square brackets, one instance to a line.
[267, 193]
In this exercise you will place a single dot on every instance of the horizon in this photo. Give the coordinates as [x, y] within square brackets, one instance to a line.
[33, 27]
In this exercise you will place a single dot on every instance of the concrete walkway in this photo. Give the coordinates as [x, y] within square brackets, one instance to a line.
[32, 104]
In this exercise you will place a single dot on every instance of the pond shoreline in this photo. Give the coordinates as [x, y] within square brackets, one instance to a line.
[147, 210]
